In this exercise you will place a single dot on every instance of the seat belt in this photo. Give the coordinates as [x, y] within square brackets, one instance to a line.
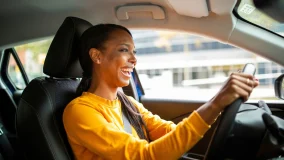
[127, 125]
[6, 149]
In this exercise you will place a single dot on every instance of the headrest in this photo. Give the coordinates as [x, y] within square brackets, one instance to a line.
[62, 57]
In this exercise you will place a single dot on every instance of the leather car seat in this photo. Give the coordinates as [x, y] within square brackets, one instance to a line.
[39, 123]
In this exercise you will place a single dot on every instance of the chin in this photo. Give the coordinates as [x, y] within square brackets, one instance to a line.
[124, 83]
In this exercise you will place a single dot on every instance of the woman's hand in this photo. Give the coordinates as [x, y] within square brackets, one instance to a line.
[238, 85]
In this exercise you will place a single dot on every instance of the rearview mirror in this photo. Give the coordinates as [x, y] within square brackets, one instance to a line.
[279, 87]
[273, 8]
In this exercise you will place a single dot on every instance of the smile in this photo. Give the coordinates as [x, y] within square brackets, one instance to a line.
[127, 72]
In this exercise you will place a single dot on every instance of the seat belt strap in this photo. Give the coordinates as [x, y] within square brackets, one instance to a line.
[127, 125]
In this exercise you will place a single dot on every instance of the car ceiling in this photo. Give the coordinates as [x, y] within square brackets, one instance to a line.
[28, 20]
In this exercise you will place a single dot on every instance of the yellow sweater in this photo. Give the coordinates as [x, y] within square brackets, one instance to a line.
[95, 130]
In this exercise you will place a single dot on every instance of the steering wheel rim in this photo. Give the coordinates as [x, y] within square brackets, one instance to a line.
[215, 149]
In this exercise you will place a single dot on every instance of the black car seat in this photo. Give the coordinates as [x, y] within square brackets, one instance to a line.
[39, 123]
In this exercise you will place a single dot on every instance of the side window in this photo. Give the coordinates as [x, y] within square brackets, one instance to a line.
[15, 74]
[32, 56]
[180, 65]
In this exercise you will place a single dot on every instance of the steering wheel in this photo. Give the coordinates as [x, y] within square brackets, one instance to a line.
[216, 147]
[226, 123]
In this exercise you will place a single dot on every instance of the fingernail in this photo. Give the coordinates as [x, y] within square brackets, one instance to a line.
[256, 79]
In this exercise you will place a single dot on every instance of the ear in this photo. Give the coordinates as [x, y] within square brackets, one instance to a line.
[95, 55]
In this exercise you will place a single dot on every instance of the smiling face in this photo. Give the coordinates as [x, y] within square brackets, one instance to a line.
[115, 62]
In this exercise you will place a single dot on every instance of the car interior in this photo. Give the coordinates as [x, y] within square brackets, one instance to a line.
[31, 124]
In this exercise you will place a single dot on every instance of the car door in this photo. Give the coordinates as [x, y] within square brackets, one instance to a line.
[13, 79]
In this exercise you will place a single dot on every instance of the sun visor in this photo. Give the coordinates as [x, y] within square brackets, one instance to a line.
[192, 8]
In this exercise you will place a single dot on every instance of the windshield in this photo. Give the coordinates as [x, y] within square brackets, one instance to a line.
[247, 10]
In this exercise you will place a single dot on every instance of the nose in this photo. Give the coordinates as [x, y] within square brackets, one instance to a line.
[133, 59]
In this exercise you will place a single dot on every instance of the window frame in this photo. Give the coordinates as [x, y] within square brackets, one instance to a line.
[6, 55]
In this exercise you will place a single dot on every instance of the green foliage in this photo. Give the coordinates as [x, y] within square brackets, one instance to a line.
[36, 48]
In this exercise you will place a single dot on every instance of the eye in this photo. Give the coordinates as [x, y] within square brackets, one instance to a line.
[123, 50]
[134, 52]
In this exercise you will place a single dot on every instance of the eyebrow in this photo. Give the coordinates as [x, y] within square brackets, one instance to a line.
[129, 45]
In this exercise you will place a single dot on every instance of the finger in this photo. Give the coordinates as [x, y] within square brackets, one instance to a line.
[256, 82]
[240, 92]
[243, 75]
[251, 82]
[247, 81]
[241, 83]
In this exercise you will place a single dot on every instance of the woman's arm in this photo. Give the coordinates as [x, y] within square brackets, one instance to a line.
[88, 127]
[156, 126]
[234, 88]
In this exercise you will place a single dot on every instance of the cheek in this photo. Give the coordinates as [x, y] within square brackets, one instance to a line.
[123, 60]
[115, 62]
[119, 61]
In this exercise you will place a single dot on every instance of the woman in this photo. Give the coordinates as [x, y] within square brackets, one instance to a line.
[94, 123]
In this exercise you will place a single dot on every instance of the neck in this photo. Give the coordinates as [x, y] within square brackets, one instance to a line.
[103, 90]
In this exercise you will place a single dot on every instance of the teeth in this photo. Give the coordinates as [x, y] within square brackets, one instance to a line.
[127, 70]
